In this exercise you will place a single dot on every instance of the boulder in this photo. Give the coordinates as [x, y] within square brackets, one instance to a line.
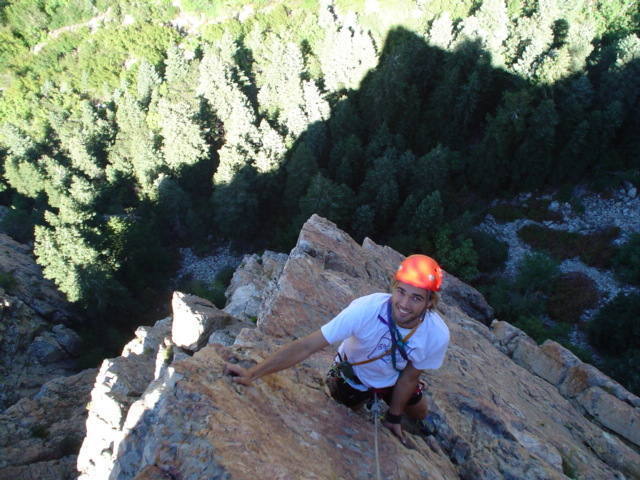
[194, 319]
[30, 286]
[467, 298]
[68, 339]
[507, 336]
[535, 359]
[36, 343]
[227, 335]
[581, 376]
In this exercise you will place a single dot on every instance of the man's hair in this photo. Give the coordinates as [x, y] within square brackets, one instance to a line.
[434, 298]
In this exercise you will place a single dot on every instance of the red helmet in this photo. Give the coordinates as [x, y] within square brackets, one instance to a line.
[420, 271]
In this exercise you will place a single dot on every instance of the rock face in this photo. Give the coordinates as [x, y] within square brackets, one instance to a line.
[38, 294]
[36, 343]
[256, 277]
[42, 397]
[121, 382]
[40, 436]
[494, 413]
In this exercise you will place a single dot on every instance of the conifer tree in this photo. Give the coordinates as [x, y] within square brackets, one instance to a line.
[347, 52]
[490, 24]
[327, 199]
[441, 31]
[183, 143]
[363, 222]
[300, 169]
[237, 206]
[133, 152]
[146, 81]
[346, 160]
[69, 247]
[21, 169]
[534, 156]
[429, 214]
[83, 136]
[279, 79]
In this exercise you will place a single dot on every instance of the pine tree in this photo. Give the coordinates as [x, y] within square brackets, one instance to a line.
[83, 138]
[363, 222]
[237, 206]
[24, 175]
[300, 169]
[534, 156]
[173, 205]
[490, 168]
[21, 168]
[70, 249]
[327, 199]
[431, 171]
[183, 143]
[147, 80]
[428, 215]
[346, 54]
[490, 24]
[441, 31]
[280, 67]
[133, 152]
[346, 160]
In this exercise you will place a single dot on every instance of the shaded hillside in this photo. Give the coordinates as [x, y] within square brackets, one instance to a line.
[127, 138]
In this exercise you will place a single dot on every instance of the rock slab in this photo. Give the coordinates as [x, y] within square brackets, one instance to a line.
[490, 417]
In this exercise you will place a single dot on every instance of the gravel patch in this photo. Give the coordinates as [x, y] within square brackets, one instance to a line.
[621, 210]
[205, 268]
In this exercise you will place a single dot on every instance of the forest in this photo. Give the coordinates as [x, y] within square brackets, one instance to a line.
[129, 129]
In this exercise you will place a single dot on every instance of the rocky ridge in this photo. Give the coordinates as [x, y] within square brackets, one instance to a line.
[501, 406]
[42, 396]
[36, 341]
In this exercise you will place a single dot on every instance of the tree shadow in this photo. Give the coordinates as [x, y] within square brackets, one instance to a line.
[426, 119]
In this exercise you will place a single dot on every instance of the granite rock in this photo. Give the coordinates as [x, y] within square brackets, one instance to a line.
[491, 417]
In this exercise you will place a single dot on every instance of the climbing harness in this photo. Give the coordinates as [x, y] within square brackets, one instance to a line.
[397, 343]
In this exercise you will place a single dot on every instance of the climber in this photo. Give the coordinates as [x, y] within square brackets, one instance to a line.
[386, 342]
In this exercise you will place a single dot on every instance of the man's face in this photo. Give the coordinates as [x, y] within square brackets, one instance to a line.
[408, 304]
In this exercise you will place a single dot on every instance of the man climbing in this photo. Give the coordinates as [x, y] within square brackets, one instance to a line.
[386, 342]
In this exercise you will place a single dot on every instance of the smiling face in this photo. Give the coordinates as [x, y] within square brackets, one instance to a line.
[408, 304]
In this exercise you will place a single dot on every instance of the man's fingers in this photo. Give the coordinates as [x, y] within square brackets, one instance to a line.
[396, 429]
[242, 380]
[239, 374]
[407, 442]
[234, 370]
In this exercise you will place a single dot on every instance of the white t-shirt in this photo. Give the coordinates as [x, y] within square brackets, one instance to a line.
[363, 329]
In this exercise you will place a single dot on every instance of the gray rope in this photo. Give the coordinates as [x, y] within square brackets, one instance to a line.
[376, 411]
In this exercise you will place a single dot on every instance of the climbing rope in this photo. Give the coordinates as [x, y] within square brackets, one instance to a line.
[376, 411]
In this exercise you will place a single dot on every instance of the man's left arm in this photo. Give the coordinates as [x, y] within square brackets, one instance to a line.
[402, 392]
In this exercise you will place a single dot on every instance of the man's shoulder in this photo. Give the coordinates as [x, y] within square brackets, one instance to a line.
[437, 325]
[373, 300]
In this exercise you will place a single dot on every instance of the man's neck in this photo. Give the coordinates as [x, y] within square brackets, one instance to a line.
[412, 323]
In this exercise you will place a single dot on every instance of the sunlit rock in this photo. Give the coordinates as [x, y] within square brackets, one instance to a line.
[194, 319]
[489, 416]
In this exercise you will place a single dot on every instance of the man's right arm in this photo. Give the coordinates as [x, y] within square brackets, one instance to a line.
[287, 356]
